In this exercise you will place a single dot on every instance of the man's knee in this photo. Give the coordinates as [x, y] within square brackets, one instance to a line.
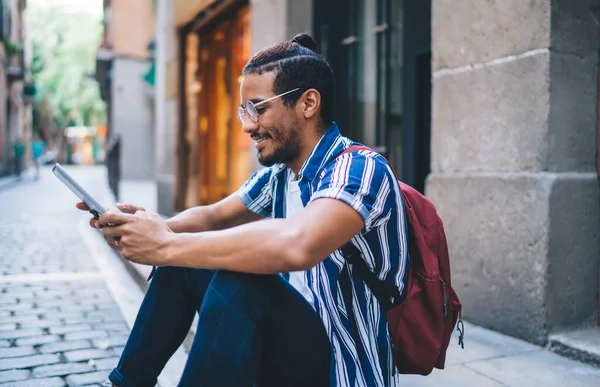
[234, 286]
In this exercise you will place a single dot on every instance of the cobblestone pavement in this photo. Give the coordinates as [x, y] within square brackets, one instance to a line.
[59, 324]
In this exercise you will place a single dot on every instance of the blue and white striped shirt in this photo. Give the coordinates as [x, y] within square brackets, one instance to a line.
[364, 181]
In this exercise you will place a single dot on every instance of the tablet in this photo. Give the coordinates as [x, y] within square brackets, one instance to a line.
[95, 208]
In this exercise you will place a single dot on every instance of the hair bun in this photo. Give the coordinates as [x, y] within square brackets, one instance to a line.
[306, 41]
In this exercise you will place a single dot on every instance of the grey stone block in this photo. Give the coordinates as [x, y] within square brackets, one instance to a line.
[113, 326]
[110, 342]
[28, 332]
[16, 352]
[62, 369]
[70, 328]
[87, 354]
[90, 378]
[492, 118]
[106, 364]
[83, 320]
[573, 246]
[47, 382]
[85, 335]
[28, 361]
[4, 343]
[467, 32]
[40, 323]
[573, 28]
[13, 375]
[8, 327]
[65, 346]
[519, 263]
[572, 116]
[38, 340]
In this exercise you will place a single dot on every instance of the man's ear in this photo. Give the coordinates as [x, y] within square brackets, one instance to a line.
[311, 103]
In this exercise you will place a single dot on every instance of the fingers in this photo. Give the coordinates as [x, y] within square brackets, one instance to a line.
[113, 242]
[129, 208]
[112, 217]
[94, 223]
[82, 206]
[113, 231]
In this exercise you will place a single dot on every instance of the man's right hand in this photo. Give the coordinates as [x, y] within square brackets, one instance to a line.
[94, 223]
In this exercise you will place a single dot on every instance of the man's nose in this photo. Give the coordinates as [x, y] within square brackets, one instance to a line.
[249, 126]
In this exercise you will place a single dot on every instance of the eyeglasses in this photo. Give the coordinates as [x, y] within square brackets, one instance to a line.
[250, 107]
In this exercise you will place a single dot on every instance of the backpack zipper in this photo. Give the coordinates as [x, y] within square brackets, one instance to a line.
[445, 297]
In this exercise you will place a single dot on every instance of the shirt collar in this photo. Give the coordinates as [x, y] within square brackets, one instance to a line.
[328, 147]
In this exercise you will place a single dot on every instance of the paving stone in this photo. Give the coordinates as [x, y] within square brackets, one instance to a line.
[63, 315]
[110, 342]
[74, 307]
[62, 369]
[13, 375]
[28, 332]
[113, 326]
[17, 352]
[82, 379]
[19, 318]
[49, 382]
[38, 340]
[28, 361]
[106, 364]
[87, 354]
[4, 343]
[8, 327]
[65, 346]
[41, 324]
[85, 335]
[70, 328]
[83, 320]
[17, 307]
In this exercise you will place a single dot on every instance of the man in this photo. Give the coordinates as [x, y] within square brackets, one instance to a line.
[19, 155]
[271, 293]
[37, 150]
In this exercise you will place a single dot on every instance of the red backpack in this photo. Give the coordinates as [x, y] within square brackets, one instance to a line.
[421, 320]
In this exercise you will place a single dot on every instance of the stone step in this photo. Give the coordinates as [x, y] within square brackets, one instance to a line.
[581, 344]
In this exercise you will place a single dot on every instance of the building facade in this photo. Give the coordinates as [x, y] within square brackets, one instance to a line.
[489, 108]
[123, 64]
[16, 87]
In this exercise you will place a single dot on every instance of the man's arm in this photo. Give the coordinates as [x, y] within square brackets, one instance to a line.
[270, 246]
[229, 212]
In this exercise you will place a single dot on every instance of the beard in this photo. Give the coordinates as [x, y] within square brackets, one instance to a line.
[284, 147]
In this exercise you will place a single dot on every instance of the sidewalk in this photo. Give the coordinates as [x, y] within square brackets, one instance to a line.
[488, 359]
[67, 303]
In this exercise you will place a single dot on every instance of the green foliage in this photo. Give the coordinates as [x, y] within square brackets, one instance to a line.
[64, 52]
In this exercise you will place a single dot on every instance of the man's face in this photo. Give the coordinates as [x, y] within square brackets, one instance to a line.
[278, 132]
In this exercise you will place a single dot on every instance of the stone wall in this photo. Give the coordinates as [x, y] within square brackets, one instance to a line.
[513, 160]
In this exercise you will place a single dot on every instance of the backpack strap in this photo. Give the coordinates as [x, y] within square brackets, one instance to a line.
[386, 292]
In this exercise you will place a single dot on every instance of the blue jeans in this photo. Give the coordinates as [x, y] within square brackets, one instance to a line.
[252, 330]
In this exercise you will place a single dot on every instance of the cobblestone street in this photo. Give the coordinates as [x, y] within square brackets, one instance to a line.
[59, 323]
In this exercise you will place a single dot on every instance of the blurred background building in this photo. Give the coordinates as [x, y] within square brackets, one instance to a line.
[16, 87]
[490, 108]
[124, 71]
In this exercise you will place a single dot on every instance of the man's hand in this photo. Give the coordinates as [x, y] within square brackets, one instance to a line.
[94, 223]
[143, 237]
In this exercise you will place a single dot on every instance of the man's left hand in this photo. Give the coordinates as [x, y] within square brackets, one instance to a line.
[144, 236]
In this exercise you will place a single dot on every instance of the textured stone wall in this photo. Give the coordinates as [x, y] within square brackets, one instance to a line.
[513, 149]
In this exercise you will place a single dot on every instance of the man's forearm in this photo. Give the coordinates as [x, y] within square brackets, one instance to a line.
[192, 220]
[265, 247]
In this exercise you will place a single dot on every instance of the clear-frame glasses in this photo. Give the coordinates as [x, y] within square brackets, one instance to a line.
[250, 108]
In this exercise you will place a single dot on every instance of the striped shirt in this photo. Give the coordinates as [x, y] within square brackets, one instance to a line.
[364, 181]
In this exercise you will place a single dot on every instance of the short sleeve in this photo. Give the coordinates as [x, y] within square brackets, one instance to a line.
[359, 179]
[256, 192]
